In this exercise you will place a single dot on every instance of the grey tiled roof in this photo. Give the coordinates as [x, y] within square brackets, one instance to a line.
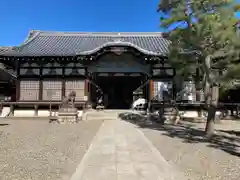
[4, 49]
[41, 43]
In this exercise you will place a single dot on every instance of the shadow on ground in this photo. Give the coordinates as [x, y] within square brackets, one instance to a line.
[228, 141]
[236, 133]
[4, 124]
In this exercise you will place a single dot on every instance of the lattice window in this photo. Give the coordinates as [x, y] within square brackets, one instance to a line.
[76, 85]
[29, 90]
[52, 90]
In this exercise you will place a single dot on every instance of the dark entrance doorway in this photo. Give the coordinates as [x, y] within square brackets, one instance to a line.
[118, 90]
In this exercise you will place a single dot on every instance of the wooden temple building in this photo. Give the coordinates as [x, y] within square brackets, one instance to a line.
[48, 65]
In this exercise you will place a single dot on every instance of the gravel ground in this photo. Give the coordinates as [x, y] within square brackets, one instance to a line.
[185, 147]
[37, 150]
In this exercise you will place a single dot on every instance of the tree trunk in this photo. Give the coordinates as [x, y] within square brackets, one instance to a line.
[161, 118]
[207, 94]
[211, 91]
[209, 129]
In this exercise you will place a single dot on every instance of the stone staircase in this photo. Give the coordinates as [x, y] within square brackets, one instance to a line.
[102, 114]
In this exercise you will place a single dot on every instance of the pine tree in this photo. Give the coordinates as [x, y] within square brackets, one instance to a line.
[204, 38]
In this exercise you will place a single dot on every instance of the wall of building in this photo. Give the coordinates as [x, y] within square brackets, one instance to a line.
[123, 63]
[49, 81]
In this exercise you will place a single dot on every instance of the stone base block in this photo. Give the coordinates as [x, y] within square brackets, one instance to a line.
[100, 107]
[67, 119]
[68, 110]
[68, 116]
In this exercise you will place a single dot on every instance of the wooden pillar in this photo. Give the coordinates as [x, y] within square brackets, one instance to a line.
[18, 90]
[146, 88]
[63, 87]
[40, 89]
[63, 82]
[87, 87]
[151, 89]
[40, 83]
[1, 107]
[18, 61]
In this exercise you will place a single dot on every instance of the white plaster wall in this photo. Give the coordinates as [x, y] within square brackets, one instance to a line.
[24, 113]
[31, 113]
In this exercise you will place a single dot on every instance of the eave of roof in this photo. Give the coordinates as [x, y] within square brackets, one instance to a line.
[6, 72]
[47, 43]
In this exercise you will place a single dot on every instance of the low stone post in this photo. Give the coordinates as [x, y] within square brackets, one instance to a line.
[11, 110]
[36, 110]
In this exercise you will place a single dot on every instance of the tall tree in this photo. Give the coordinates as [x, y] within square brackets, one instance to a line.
[204, 37]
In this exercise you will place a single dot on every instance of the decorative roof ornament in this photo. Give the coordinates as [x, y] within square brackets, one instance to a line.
[118, 40]
[118, 50]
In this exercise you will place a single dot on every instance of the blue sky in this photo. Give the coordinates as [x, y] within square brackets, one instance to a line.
[20, 16]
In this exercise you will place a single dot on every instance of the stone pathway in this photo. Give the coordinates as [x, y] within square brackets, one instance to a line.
[120, 151]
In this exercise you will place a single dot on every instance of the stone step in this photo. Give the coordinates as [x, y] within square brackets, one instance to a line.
[102, 115]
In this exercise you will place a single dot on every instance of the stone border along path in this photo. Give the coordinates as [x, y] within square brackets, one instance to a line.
[120, 151]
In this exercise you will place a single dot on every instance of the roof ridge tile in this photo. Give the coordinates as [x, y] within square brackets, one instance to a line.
[110, 34]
